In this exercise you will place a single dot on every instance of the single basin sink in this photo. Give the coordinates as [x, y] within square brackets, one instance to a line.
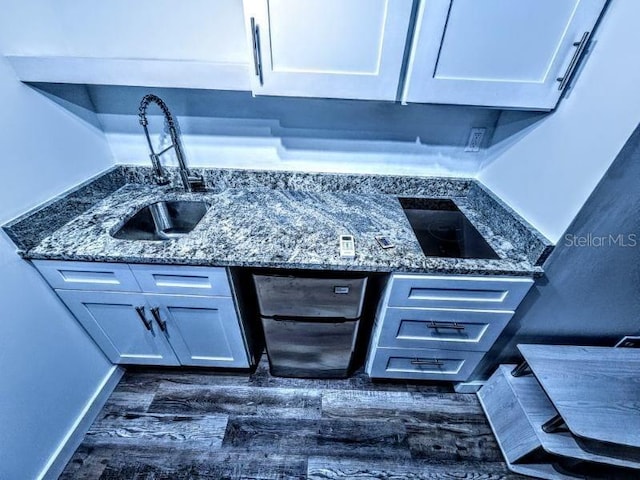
[163, 221]
[443, 231]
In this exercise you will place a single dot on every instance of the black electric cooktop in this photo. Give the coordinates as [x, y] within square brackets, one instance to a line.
[443, 231]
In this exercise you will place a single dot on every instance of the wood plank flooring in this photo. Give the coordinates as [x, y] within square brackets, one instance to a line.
[175, 424]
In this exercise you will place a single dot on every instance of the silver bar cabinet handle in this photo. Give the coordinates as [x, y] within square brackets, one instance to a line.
[425, 361]
[257, 54]
[580, 47]
[143, 317]
[155, 311]
[445, 325]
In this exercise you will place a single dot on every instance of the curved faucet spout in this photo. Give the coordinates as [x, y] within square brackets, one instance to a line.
[190, 181]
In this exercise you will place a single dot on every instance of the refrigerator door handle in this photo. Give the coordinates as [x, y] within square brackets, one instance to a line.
[280, 318]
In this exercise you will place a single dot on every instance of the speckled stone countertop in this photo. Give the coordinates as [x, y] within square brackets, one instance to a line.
[283, 220]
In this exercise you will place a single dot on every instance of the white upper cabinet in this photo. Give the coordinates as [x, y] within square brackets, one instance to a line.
[198, 44]
[498, 53]
[327, 48]
[495, 53]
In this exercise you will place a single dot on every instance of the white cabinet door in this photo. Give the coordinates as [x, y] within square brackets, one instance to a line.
[499, 53]
[328, 48]
[203, 331]
[122, 325]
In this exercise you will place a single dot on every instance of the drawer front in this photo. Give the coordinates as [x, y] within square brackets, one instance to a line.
[87, 275]
[209, 281]
[423, 364]
[446, 329]
[482, 293]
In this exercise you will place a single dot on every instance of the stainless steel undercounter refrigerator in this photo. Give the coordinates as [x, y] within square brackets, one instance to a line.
[310, 323]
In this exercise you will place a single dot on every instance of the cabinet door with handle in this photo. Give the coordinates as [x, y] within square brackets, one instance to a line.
[498, 53]
[203, 331]
[328, 48]
[122, 325]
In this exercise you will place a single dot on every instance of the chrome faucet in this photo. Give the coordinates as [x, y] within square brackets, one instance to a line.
[191, 181]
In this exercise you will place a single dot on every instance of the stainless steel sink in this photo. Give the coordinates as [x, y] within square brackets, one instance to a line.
[163, 221]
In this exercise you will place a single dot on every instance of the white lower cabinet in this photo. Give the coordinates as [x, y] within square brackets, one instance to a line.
[203, 331]
[121, 325]
[439, 327]
[141, 326]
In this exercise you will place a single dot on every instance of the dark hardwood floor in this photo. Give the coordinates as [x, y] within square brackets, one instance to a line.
[170, 424]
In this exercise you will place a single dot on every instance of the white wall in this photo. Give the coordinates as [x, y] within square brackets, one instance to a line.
[50, 369]
[547, 171]
[236, 130]
[589, 292]
[263, 133]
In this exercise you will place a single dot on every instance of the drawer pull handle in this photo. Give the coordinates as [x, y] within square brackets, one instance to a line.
[425, 361]
[143, 317]
[445, 325]
[155, 311]
[580, 48]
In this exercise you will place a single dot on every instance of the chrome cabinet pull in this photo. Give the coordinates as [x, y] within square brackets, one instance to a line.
[581, 46]
[521, 369]
[554, 425]
[257, 54]
[143, 317]
[425, 361]
[155, 311]
[445, 325]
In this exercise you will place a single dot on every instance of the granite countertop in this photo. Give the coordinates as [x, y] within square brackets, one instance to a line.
[291, 223]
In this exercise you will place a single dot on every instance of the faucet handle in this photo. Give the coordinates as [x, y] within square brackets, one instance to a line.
[196, 182]
[159, 175]
[161, 179]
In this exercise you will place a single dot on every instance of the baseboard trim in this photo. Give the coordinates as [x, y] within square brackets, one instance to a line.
[72, 440]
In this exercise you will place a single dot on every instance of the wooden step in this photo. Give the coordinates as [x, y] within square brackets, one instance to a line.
[515, 435]
[596, 390]
[516, 408]
[538, 409]
[510, 425]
